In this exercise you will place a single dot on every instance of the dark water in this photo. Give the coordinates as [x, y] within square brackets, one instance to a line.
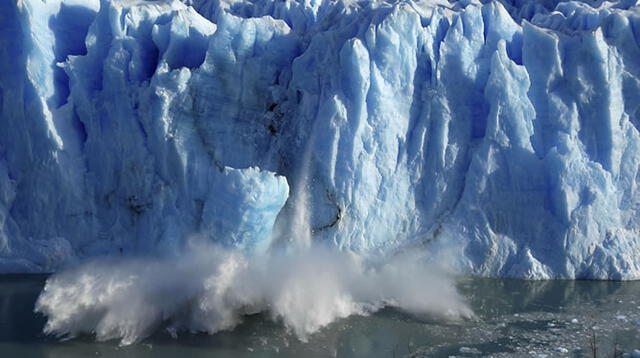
[514, 319]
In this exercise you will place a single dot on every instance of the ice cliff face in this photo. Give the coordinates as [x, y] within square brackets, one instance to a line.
[503, 135]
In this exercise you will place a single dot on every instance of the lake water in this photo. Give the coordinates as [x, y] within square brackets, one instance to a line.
[514, 319]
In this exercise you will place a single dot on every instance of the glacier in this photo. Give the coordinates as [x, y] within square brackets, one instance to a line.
[500, 135]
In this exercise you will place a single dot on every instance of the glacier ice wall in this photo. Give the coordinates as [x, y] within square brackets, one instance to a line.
[501, 135]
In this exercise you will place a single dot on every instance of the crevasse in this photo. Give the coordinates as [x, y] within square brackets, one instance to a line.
[502, 136]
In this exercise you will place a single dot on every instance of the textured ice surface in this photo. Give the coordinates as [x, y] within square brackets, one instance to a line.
[501, 135]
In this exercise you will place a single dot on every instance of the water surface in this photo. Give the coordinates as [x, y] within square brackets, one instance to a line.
[514, 319]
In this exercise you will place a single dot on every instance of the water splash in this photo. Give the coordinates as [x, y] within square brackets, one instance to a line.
[209, 289]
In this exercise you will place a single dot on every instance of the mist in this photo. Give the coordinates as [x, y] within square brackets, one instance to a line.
[209, 289]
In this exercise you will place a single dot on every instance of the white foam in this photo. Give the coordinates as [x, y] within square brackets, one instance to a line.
[209, 289]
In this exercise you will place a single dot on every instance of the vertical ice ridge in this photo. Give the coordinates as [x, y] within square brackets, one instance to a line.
[505, 132]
